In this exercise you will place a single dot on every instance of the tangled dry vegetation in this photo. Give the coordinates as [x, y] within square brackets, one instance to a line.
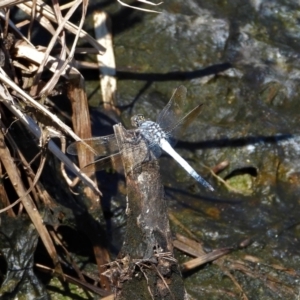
[27, 118]
[30, 75]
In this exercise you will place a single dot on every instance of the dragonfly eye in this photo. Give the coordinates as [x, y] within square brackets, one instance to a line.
[137, 120]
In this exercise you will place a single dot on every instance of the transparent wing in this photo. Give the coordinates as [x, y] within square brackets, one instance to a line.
[172, 118]
[181, 125]
[172, 112]
[114, 161]
[100, 146]
[107, 162]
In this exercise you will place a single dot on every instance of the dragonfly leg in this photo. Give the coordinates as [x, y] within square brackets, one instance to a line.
[134, 140]
[149, 155]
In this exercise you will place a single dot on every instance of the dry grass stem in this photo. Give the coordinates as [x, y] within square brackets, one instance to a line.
[31, 125]
[28, 204]
[51, 44]
[107, 65]
[24, 86]
[188, 246]
[178, 223]
[46, 11]
[220, 179]
[142, 9]
[14, 27]
[211, 256]
[9, 3]
[35, 180]
[74, 280]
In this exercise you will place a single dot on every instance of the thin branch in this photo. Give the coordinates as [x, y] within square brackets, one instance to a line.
[35, 180]
[32, 17]
[4, 78]
[46, 10]
[53, 41]
[27, 202]
[228, 186]
[142, 9]
[35, 130]
[50, 84]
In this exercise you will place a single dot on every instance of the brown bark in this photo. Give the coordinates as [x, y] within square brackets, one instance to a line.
[147, 268]
[82, 127]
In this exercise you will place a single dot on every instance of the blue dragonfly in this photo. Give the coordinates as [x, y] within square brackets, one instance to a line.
[159, 135]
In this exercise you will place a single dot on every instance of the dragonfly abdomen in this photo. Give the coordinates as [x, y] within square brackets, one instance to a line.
[164, 144]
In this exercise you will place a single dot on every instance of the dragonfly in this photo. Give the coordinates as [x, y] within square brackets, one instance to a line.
[159, 135]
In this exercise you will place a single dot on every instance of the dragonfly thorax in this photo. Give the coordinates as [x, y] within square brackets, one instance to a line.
[137, 120]
[152, 132]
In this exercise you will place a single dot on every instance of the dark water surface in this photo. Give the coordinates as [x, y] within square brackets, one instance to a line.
[241, 59]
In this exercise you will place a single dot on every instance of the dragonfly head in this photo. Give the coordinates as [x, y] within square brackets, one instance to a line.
[137, 120]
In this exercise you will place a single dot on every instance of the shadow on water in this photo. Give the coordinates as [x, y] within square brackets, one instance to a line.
[234, 142]
[169, 76]
[103, 121]
[177, 75]
[150, 78]
[170, 191]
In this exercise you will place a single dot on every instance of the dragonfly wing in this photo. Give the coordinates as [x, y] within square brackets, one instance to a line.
[173, 111]
[172, 119]
[181, 125]
[103, 163]
[99, 146]
[114, 161]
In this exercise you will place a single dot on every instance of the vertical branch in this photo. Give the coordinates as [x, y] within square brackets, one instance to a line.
[82, 126]
[106, 61]
[147, 248]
